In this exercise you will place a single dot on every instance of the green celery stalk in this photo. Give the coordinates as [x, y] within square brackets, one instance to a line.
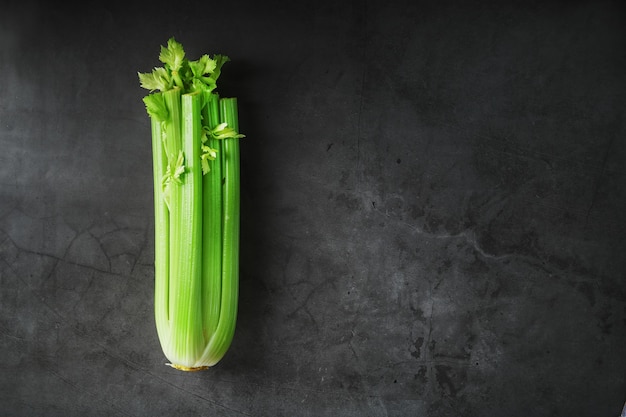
[186, 243]
[230, 159]
[212, 226]
[195, 147]
[161, 233]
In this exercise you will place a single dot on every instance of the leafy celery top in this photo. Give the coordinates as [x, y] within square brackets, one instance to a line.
[191, 77]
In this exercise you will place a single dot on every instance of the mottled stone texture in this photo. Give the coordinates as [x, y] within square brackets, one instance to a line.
[433, 209]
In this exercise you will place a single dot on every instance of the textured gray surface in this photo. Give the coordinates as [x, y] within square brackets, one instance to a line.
[433, 210]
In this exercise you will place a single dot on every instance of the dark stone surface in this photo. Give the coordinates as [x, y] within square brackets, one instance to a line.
[433, 209]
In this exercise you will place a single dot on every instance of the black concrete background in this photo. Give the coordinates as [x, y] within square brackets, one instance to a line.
[433, 209]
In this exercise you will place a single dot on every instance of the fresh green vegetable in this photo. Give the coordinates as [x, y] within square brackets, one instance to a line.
[195, 158]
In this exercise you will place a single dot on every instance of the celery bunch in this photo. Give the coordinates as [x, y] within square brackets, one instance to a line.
[195, 149]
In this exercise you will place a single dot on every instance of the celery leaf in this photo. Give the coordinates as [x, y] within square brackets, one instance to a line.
[155, 106]
[222, 131]
[159, 79]
[173, 56]
[219, 61]
[208, 154]
[202, 66]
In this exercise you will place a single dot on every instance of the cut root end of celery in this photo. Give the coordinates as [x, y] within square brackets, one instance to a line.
[186, 368]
